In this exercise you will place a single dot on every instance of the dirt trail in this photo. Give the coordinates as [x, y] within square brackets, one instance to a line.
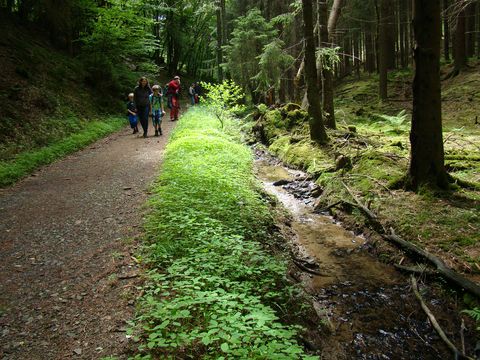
[66, 271]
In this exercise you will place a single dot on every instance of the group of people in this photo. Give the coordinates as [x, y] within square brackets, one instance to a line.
[147, 101]
[194, 92]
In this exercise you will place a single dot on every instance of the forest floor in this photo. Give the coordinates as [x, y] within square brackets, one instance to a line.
[67, 275]
[370, 152]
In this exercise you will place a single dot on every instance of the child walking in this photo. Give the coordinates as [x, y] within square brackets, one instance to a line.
[132, 113]
[156, 104]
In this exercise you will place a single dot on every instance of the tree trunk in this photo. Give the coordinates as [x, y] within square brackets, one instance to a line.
[478, 30]
[9, 5]
[427, 156]
[356, 53]
[347, 50]
[383, 49]
[317, 130]
[446, 31]
[460, 56]
[369, 50]
[326, 74]
[401, 36]
[224, 22]
[219, 41]
[334, 15]
[409, 38]
[470, 30]
[390, 33]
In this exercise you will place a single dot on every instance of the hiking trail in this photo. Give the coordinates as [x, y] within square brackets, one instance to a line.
[67, 274]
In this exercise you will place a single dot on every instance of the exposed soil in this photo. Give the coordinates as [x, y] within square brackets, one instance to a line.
[369, 307]
[67, 274]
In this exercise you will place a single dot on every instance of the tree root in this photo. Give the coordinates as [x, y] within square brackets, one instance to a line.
[435, 324]
[462, 183]
[452, 74]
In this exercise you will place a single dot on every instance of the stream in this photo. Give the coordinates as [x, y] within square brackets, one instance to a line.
[369, 306]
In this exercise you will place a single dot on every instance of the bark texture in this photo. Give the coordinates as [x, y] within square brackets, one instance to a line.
[383, 48]
[317, 130]
[460, 54]
[427, 155]
[327, 75]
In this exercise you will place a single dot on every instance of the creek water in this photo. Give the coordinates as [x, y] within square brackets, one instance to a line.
[369, 306]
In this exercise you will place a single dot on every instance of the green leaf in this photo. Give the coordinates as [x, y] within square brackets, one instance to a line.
[225, 348]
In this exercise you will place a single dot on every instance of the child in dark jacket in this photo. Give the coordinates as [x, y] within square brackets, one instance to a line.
[132, 113]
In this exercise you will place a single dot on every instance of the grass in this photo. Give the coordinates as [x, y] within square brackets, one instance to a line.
[214, 291]
[28, 161]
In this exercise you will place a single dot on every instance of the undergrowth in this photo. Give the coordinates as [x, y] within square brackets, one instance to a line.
[214, 291]
[27, 161]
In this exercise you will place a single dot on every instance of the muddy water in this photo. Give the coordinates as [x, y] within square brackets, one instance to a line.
[369, 306]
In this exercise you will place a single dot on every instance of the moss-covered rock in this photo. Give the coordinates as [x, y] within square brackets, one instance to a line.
[277, 122]
[302, 154]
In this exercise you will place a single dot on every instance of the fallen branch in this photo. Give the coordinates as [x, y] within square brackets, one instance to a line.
[434, 322]
[128, 276]
[372, 217]
[439, 264]
[372, 179]
[416, 270]
[306, 269]
[328, 207]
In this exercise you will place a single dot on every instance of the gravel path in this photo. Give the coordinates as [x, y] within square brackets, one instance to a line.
[67, 277]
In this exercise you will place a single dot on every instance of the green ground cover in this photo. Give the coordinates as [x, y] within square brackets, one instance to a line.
[26, 162]
[213, 290]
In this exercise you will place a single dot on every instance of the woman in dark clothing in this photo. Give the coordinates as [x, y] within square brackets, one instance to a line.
[141, 98]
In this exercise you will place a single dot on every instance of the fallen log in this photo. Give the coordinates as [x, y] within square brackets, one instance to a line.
[435, 324]
[439, 264]
[441, 267]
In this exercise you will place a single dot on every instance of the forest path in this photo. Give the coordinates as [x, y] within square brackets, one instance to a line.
[65, 268]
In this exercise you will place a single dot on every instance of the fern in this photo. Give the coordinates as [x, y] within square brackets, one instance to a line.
[396, 123]
[474, 314]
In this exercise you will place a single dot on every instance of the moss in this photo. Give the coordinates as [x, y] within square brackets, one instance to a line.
[291, 107]
[278, 122]
[302, 154]
[280, 146]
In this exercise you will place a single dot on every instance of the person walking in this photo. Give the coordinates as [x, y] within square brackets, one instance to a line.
[173, 94]
[191, 93]
[156, 107]
[142, 101]
[132, 113]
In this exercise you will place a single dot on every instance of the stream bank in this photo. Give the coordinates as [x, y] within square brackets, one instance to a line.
[369, 306]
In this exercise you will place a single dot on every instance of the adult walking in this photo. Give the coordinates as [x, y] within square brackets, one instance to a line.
[191, 93]
[141, 96]
[173, 94]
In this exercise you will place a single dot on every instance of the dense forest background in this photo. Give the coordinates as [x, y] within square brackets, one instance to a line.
[257, 43]
[270, 48]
